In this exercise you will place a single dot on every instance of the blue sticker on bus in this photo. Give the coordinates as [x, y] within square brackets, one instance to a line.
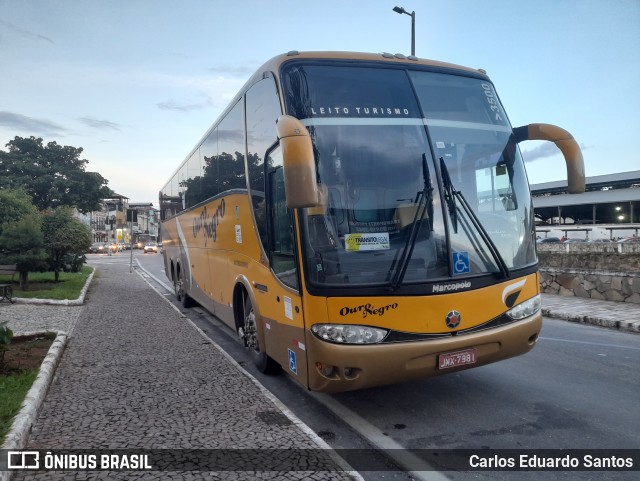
[461, 263]
[292, 362]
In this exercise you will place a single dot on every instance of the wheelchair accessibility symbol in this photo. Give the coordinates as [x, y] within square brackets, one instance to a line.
[292, 362]
[461, 263]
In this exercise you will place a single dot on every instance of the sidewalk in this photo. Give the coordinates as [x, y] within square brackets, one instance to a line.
[618, 315]
[136, 374]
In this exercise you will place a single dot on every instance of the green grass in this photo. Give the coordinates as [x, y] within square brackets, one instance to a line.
[13, 390]
[42, 286]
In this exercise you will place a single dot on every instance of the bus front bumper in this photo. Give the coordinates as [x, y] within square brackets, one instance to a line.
[339, 367]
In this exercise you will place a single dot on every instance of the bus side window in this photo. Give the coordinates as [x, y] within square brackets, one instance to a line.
[262, 108]
[280, 224]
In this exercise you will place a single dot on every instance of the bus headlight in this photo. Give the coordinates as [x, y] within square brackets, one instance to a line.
[349, 333]
[526, 308]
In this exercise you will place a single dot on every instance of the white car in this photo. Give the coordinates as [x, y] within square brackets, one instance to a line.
[151, 248]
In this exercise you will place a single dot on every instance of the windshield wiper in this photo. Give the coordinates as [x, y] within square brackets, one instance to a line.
[451, 195]
[424, 200]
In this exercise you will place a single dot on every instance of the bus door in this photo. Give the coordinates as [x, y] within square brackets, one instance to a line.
[285, 334]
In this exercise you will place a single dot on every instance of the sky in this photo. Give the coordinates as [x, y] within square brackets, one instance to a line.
[137, 83]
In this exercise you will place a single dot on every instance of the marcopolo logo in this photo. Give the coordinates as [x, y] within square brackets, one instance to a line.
[451, 287]
[368, 310]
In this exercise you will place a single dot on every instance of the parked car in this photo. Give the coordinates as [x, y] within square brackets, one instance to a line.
[151, 248]
[549, 240]
[575, 241]
[98, 248]
[630, 240]
[599, 241]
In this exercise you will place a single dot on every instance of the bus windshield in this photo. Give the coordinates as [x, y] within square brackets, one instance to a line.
[384, 139]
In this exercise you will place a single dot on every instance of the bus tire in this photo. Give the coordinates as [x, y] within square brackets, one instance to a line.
[261, 360]
[177, 288]
[181, 294]
[187, 300]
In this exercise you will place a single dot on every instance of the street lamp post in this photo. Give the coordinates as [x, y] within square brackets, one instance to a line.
[413, 27]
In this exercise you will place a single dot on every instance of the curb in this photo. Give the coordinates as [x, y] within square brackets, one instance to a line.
[620, 325]
[64, 302]
[18, 436]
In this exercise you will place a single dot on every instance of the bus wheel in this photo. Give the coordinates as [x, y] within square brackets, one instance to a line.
[260, 359]
[177, 287]
[182, 296]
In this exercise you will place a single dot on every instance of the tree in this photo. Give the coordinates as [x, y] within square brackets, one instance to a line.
[15, 204]
[21, 244]
[20, 233]
[53, 175]
[64, 237]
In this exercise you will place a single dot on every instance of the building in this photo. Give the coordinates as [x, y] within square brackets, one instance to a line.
[609, 207]
[116, 226]
[145, 222]
[118, 220]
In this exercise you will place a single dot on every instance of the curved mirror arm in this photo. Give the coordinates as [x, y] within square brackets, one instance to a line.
[567, 145]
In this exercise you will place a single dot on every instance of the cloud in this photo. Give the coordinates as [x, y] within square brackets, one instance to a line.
[544, 150]
[24, 33]
[183, 107]
[178, 55]
[232, 70]
[548, 149]
[30, 125]
[99, 124]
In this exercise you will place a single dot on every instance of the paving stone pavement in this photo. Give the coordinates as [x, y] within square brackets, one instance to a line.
[26, 318]
[617, 315]
[136, 375]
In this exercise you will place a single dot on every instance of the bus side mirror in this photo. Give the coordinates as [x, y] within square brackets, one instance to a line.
[567, 145]
[299, 164]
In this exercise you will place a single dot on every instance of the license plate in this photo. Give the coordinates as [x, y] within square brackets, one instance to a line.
[459, 358]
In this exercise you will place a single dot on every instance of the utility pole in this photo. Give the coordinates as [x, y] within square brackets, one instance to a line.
[413, 27]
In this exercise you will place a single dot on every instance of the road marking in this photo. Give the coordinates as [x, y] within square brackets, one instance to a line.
[158, 280]
[590, 343]
[400, 454]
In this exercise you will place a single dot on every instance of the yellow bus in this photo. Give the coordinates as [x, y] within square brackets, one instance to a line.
[362, 219]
